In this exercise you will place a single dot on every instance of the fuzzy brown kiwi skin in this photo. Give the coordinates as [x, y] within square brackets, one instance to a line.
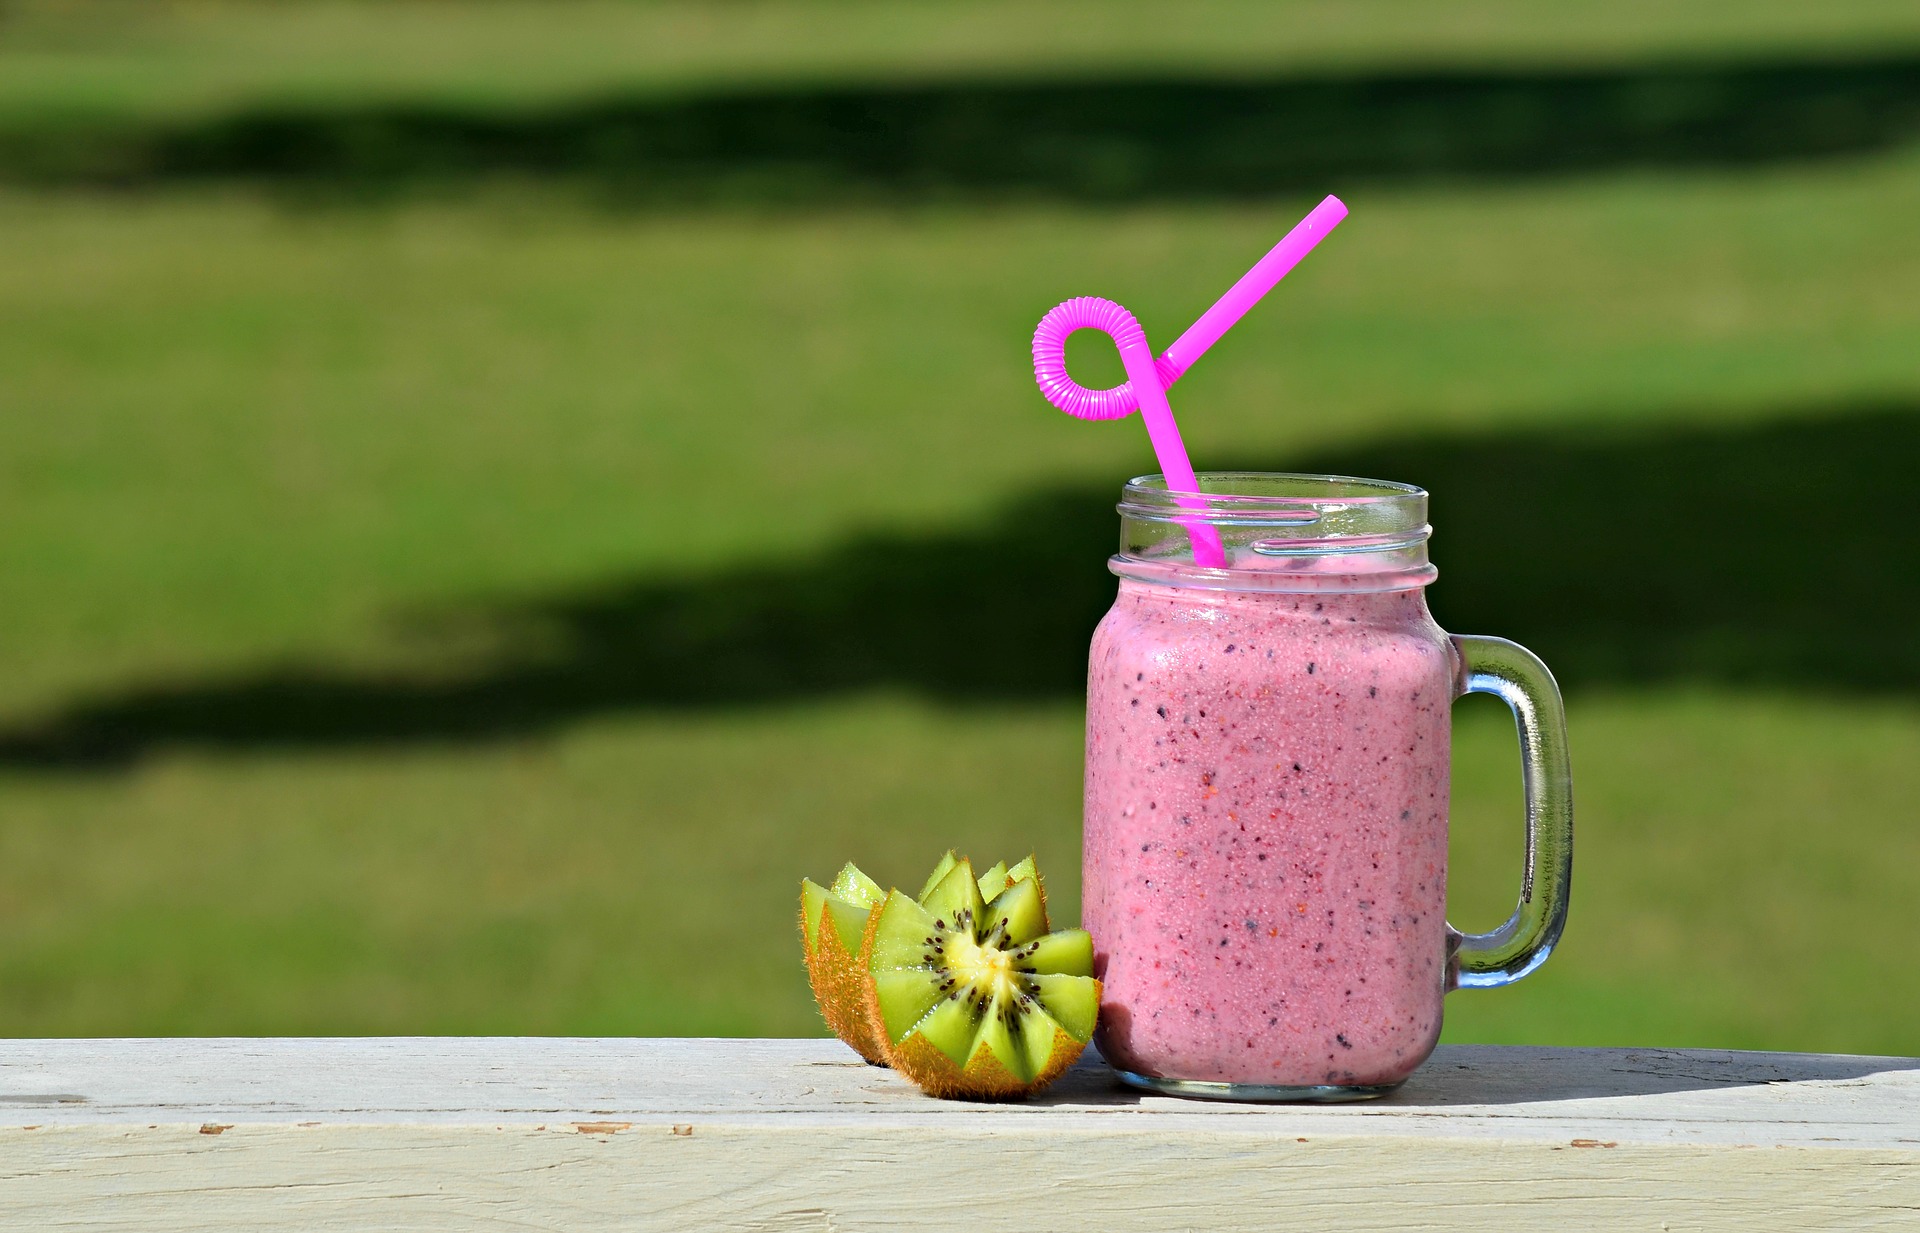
[843, 986]
[983, 1077]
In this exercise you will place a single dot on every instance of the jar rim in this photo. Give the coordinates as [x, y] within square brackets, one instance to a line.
[1240, 495]
[1282, 531]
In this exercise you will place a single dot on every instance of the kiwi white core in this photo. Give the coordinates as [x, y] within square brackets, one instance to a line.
[982, 966]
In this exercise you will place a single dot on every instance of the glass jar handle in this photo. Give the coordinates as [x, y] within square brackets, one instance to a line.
[1489, 960]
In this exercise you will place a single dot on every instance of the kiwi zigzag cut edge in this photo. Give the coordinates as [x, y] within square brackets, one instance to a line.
[983, 1077]
[983, 1074]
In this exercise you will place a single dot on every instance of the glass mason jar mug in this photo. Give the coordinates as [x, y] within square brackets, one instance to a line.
[1265, 850]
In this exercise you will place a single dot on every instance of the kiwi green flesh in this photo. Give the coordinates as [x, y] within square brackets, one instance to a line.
[1004, 1029]
[999, 878]
[856, 887]
[1018, 1033]
[1072, 1001]
[812, 897]
[954, 901]
[950, 1027]
[901, 935]
[1038, 1032]
[849, 921]
[907, 996]
[940, 871]
[848, 911]
[1066, 953]
[1017, 915]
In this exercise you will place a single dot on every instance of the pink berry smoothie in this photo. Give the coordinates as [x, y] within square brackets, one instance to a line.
[1266, 833]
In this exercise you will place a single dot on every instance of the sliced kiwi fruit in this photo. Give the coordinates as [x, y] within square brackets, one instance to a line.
[833, 926]
[833, 931]
[972, 995]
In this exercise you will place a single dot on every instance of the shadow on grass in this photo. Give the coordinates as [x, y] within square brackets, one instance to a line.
[1778, 554]
[1120, 139]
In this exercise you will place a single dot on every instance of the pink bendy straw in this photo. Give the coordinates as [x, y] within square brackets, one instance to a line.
[1148, 378]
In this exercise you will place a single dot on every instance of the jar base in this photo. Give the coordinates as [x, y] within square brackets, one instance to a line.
[1261, 1093]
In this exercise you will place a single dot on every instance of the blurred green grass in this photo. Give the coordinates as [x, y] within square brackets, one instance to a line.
[240, 434]
[1744, 873]
[132, 58]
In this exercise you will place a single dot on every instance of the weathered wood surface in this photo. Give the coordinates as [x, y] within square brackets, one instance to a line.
[481, 1134]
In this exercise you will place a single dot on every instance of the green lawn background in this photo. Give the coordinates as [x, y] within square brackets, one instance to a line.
[241, 431]
[141, 59]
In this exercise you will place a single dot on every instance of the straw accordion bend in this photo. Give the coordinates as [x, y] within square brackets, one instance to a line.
[1089, 312]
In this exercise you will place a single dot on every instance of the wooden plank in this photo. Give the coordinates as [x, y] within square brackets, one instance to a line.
[480, 1134]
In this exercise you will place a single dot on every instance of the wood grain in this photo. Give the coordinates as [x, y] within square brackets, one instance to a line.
[482, 1134]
